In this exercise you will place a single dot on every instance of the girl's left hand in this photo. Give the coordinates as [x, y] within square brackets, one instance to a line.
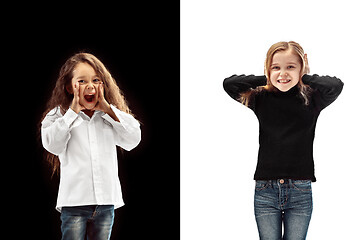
[102, 104]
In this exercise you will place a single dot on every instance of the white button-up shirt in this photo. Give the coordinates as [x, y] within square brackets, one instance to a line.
[87, 152]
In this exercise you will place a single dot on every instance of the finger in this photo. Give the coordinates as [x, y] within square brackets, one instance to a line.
[76, 89]
[101, 90]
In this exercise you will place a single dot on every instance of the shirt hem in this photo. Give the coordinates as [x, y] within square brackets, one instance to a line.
[116, 205]
[313, 179]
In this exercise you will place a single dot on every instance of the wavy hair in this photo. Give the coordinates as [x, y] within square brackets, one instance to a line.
[62, 98]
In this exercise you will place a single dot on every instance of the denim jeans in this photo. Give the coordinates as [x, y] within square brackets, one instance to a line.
[93, 222]
[283, 202]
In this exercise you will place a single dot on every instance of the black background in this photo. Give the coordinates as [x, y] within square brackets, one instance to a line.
[139, 43]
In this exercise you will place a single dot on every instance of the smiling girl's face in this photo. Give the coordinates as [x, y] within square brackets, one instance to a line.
[285, 70]
[88, 81]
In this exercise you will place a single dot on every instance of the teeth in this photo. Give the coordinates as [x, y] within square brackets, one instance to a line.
[284, 81]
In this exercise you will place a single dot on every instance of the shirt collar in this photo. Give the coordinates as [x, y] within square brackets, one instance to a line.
[86, 117]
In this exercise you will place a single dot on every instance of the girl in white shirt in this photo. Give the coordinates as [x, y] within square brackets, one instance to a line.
[86, 118]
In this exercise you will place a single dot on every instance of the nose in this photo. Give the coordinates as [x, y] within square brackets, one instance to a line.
[89, 86]
[283, 74]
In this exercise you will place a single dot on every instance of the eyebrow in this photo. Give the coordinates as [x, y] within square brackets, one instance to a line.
[95, 76]
[286, 63]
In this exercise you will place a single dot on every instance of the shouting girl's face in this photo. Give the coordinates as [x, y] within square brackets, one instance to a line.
[285, 70]
[89, 83]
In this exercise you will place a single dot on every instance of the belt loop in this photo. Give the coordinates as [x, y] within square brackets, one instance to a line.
[290, 182]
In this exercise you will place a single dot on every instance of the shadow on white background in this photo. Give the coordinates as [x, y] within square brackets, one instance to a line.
[219, 136]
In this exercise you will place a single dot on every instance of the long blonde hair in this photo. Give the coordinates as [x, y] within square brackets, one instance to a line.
[277, 47]
[61, 97]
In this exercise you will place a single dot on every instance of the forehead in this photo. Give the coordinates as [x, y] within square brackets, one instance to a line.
[83, 69]
[285, 57]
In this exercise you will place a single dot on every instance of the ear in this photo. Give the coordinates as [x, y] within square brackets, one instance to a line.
[69, 89]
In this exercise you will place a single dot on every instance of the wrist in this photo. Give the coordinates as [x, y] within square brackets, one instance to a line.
[112, 114]
[76, 110]
[107, 108]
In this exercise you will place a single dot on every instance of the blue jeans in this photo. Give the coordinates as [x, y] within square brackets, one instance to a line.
[93, 222]
[283, 202]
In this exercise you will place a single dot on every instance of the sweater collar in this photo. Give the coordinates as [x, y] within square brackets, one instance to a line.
[291, 92]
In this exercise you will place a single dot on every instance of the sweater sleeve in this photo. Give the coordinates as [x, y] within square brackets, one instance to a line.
[328, 88]
[235, 85]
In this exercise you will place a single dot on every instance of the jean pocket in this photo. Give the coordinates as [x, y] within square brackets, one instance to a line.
[302, 185]
[261, 185]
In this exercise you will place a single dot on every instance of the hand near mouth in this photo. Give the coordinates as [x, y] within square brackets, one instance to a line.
[75, 105]
[103, 105]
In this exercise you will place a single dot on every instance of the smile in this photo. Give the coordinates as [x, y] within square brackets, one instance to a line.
[284, 81]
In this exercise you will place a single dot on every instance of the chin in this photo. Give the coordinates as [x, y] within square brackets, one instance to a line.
[283, 88]
[88, 106]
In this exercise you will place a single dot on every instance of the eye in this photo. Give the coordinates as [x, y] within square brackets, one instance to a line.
[291, 66]
[96, 80]
[275, 68]
[81, 81]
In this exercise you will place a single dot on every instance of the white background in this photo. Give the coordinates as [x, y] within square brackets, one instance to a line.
[219, 137]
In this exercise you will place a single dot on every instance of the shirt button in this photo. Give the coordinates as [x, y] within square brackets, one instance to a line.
[281, 181]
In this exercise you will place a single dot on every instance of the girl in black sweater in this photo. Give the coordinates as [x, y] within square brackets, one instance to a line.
[287, 102]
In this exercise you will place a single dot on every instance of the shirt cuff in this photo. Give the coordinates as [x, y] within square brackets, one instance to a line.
[124, 118]
[306, 79]
[260, 80]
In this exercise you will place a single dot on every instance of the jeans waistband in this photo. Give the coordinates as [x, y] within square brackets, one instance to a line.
[282, 181]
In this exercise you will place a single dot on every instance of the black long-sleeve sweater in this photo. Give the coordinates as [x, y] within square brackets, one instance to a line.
[287, 125]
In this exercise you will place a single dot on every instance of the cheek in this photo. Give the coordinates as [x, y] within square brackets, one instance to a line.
[274, 76]
[295, 77]
[296, 80]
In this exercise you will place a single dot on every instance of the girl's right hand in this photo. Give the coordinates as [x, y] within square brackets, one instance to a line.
[75, 105]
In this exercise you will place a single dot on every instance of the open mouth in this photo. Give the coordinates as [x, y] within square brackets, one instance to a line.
[284, 81]
[89, 98]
